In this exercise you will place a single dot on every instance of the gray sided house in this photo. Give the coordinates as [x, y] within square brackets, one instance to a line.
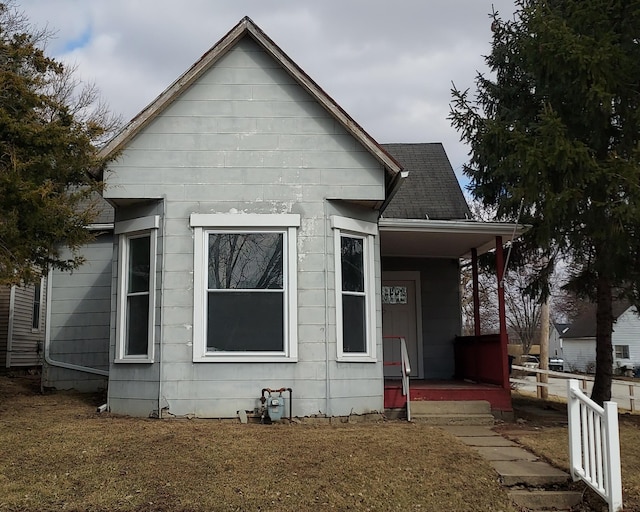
[262, 239]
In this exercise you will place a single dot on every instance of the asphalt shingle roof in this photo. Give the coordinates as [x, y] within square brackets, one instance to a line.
[585, 325]
[431, 191]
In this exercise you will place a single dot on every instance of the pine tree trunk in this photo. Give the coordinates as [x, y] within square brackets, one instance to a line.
[604, 351]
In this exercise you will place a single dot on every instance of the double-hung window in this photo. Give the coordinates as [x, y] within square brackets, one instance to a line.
[136, 289]
[245, 287]
[621, 351]
[355, 289]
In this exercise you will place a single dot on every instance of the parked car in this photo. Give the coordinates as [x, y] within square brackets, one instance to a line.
[529, 361]
[556, 364]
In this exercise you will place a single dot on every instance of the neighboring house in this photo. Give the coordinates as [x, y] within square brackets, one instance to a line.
[556, 331]
[579, 340]
[262, 239]
[22, 325]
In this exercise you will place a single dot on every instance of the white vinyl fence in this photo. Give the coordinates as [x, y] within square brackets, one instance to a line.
[594, 445]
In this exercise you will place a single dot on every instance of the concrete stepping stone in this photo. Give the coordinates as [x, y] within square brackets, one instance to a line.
[546, 500]
[512, 453]
[487, 441]
[530, 473]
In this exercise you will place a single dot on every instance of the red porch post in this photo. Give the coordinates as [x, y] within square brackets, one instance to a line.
[501, 314]
[476, 294]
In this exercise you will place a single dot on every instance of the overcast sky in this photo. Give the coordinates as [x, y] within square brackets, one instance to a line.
[389, 64]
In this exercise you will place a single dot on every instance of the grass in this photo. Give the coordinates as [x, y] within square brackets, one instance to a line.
[57, 453]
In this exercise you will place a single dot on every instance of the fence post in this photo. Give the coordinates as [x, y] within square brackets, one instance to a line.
[632, 400]
[612, 439]
[575, 433]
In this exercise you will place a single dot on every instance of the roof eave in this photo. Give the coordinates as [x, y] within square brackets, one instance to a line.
[508, 230]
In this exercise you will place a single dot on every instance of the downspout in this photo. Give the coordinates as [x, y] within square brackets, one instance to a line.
[326, 314]
[394, 186]
[12, 305]
[47, 340]
[161, 300]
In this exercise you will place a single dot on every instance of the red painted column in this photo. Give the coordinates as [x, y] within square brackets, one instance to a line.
[476, 293]
[501, 314]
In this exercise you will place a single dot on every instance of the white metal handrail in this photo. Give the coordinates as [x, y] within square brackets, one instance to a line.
[406, 371]
[594, 445]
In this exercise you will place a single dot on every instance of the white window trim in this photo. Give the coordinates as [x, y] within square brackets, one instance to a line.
[367, 231]
[203, 224]
[126, 230]
[623, 348]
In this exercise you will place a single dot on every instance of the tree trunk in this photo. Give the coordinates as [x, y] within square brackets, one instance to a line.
[543, 391]
[604, 350]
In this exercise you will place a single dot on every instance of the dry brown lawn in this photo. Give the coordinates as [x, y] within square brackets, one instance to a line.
[57, 453]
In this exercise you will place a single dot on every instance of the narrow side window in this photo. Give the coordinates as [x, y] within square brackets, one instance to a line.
[37, 302]
[355, 289]
[136, 290]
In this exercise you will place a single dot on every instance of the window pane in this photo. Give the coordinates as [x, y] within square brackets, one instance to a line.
[353, 324]
[622, 351]
[245, 261]
[35, 319]
[245, 321]
[137, 325]
[139, 262]
[352, 264]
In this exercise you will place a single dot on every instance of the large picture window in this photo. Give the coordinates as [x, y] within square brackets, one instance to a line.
[136, 290]
[245, 287]
[355, 300]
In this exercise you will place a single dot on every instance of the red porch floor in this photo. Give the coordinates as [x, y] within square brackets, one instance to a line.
[498, 397]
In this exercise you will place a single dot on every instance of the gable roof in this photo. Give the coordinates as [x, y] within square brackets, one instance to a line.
[585, 325]
[431, 191]
[247, 28]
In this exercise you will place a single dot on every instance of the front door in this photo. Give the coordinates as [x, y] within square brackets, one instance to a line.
[401, 317]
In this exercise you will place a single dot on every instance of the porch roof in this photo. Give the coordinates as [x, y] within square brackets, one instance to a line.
[443, 238]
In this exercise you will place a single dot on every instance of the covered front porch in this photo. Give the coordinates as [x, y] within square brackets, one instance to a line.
[421, 304]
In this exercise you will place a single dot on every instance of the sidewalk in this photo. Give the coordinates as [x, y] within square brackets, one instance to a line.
[527, 476]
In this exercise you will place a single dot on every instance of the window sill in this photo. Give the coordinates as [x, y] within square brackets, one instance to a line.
[356, 359]
[219, 358]
[135, 360]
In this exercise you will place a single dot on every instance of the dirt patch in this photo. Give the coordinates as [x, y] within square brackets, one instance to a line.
[57, 453]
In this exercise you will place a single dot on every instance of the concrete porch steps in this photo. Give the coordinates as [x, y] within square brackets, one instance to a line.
[445, 412]
[532, 483]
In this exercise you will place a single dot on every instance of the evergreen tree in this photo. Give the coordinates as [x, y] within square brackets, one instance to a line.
[556, 125]
[48, 131]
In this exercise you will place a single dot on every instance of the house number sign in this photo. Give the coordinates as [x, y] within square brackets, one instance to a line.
[394, 294]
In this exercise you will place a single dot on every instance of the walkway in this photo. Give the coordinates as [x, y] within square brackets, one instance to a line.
[521, 471]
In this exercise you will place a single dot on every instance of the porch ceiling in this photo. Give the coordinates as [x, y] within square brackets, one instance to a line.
[442, 238]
